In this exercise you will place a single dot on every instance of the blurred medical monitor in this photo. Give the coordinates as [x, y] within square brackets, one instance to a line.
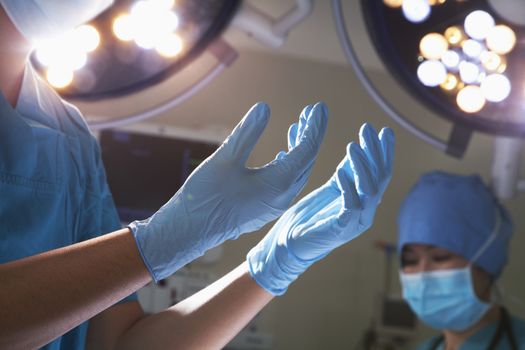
[146, 164]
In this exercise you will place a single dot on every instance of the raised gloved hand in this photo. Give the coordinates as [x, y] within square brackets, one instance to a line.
[328, 217]
[223, 198]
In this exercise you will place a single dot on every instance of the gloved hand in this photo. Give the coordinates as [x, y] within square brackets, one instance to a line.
[328, 217]
[223, 198]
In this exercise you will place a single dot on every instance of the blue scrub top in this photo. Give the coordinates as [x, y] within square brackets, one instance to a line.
[482, 338]
[53, 190]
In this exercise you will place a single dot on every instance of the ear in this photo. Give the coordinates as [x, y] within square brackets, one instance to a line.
[482, 283]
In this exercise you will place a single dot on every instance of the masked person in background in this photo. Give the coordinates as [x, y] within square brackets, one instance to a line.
[453, 243]
[58, 268]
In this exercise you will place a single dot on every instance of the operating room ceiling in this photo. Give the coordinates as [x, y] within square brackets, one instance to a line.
[314, 39]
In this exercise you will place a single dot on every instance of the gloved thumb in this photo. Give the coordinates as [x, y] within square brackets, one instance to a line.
[243, 138]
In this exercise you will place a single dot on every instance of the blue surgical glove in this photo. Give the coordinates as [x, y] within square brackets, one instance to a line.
[328, 217]
[223, 198]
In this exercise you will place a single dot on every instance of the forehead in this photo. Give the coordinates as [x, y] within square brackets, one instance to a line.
[422, 248]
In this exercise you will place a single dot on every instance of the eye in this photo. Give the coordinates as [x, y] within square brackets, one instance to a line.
[409, 261]
[441, 257]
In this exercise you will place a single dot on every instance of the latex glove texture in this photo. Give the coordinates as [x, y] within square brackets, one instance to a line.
[223, 198]
[328, 217]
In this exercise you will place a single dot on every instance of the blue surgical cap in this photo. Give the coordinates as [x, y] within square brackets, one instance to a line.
[457, 213]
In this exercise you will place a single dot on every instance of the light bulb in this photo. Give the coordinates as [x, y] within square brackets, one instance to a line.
[59, 77]
[470, 99]
[472, 48]
[478, 24]
[468, 72]
[496, 87]
[501, 39]
[416, 10]
[433, 46]
[432, 73]
[451, 59]
[454, 35]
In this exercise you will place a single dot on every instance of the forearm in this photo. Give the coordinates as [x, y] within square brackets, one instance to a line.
[44, 296]
[206, 320]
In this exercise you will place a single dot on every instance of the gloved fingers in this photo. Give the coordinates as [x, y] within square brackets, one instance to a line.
[350, 198]
[387, 139]
[303, 118]
[369, 141]
[363, 174]
[280, 155]
[303, 155]
[292, 136]
[243, 138]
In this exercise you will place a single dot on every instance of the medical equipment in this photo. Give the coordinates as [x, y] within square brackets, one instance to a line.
[139, 44]
[328, 217]
[142, 149]
[461, 59]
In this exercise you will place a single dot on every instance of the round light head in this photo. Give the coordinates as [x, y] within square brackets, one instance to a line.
[469, 72]
[416, 11]
[393, 3]
[433, 46]
[454, 35]
[470, 99]
[472, 48]
[496, 87]
[451, 59]
[432, 73]
[501, 39]
[478, 23]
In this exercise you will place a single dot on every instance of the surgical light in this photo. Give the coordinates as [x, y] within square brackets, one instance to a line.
[450, 83]
[454, 35]
[472, 48]
[393, 3]
[451, 59]
[496, 87]
[490, 60]
[501, 39]
[170, 45]
[59, 77]
[473, 92]
[124, 28]
[478, 24]
[433, 46]
[88, 36]
[432, 73]
[416, 10]
[471, 99]
[133, 45]
[468, 72]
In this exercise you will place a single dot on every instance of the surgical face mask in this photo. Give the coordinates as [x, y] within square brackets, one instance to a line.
[41, 19]
[444, 299]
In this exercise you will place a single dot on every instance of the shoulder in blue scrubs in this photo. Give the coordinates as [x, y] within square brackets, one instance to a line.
[53, 187]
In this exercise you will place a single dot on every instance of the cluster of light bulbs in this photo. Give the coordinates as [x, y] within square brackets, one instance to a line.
[151, 24]
[469, 61]
[415, 11]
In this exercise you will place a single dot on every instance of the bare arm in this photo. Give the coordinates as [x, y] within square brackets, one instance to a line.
[207, 320]
[44, 296]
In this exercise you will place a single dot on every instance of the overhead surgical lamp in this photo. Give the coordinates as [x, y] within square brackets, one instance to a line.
[461, 59]
[137, 44]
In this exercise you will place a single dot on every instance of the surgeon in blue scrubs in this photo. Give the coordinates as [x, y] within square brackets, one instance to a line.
[65, 260]
[453, 242]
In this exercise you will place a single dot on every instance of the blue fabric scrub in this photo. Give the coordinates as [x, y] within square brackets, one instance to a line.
[53, 189]
[481, 339]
